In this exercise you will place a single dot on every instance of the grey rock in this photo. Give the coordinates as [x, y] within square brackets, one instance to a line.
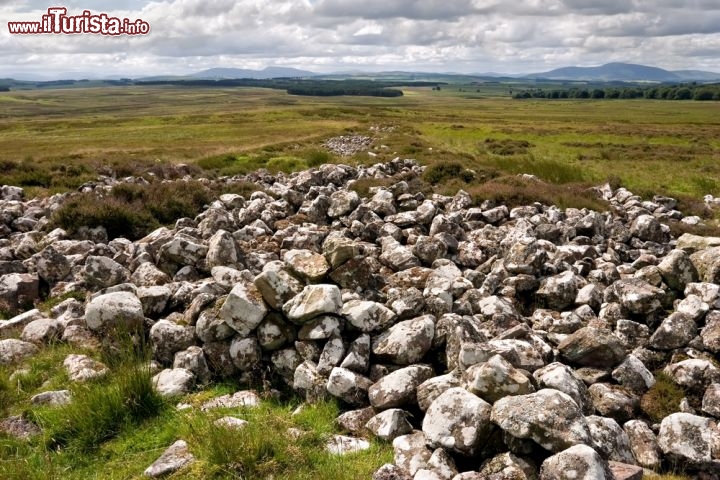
[193, 360]
[172, 382]
[592, 346]
[677, 270]
[549, 417]
[399, 388]
[368, 316]
[560, 291]
[55, 398]
[42, 331]
[578, 462]
[614, 401]
[690, 439]
[411, 452]
[432, 388]
[222, 250]
[707, 264]
[19, 427]
[331, 355]
[358, 355]
[711, 400]
[102, 272]
[348, 386]
[121, 310]
[389, 424]
[307, 265]
[243, 309]
[693, 374]
[239, 399]
[510, 466]
[633, 375]
[245, 353]
[496, 379]
[636, 295]
[313, 301]
[675, 331]
[274, 332]
[354, 421]
[643, 444]
[561, 377]
[457, 421]
[610, 439]
[168, 338]
[406, 342]
[81, 368]
[13, 351]
[175, 458]
[343, 445]
[277, 286]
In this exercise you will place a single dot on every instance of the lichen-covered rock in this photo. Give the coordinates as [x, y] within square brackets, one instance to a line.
[636, 295]
[193, 360]
[277, 286]
[560, 291]
[496, 379]
[561, 377]
[348, 386]
[42, 331]
[222, 250]
[307, 265]
[643, 444]
[694, 374]
[173, 382]
[245, 353]
[510, 466]
[121, 310]
[313, 301]
[457, 421]
[175, 458]
[399, 388]
[592, 347]
[614, 401]
[13, 351]
[102, 272]
[368, 316]
[690, 439]
[405, 342]
[81, 368]
[578, 462]
[610, 439]
[707, 264]
[183, 250]
[549, 417]
[243, 309]
[432, 388]
[647, 228]
[633, 375]
[169, 337]
[389, 424]
[675, 331]
[411, 452]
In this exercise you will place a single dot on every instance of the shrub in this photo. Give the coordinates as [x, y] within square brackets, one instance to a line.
[316, 157]
[507, 147]
[662, 399]
[445, 171]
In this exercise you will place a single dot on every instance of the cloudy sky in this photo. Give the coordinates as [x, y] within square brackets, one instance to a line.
[468, 36]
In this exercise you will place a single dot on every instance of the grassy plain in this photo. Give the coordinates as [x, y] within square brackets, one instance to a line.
[650, 146]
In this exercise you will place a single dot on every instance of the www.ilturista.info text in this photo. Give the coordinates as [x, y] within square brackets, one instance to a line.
[57, 21]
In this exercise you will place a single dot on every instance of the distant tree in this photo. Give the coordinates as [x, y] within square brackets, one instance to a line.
[583, 94]
[598, 93]
[683, 93]
[4, 89]
[703, 94]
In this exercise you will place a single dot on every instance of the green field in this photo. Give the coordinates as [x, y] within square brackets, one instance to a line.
[650, 146]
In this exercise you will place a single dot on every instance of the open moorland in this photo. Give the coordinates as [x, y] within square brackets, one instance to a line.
[65, 136]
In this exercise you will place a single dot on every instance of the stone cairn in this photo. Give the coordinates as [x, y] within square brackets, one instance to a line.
[484, 342]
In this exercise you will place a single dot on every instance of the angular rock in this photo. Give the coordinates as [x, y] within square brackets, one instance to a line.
[496, 379]
[432, 388]
[610, 439]
[633, 375]
[368, 316]
[677, 270]
[231, 423]
[175, 458]
[510, 466]
[82, 368]
[239, 399]
[549, 417]
[243, 309]
[343, 445]
[193, 360]
[42, 331]
[457, 421]
[614, 401]
[560, 291]
[389, 424]
[121, 310]
[561, 377]
[307, 265]
[636, 295]
[690, 439]
[675, 331]
[313, 301]
[348, 386]
[591, 347]
[245, 353]
[53, 398]
[643, 444]
[14, 351]
[411, 453]
[172, 382]
[399, 388]
[578, 462]
[169, 337]
[358, 355]
[354, 421]
[102, 272]
[277, 286]
[693, 374]
[405, 342]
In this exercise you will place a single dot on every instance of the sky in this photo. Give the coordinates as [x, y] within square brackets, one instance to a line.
[464, 36]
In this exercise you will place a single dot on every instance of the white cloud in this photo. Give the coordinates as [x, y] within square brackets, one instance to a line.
[329, 35]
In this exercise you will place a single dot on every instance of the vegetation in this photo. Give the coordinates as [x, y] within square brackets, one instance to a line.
[118, 425]
[692, 91]
[662, 399]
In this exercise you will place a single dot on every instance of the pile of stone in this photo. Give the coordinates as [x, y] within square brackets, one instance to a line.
[484, 342]
[348, 145]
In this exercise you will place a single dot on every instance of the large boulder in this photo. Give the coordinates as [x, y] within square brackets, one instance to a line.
[405, 342]
[549, 417]
[592, 347]
[636, 295]
[121, 310]
[244, 308]
[368, 316]
[458, 421]
[313, 301]
[399, 388]
[707, 264]
[690, 440]
[14, 351]
[578, 462]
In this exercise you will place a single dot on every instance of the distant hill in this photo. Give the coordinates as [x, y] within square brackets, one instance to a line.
[626, 72]
[266, 73]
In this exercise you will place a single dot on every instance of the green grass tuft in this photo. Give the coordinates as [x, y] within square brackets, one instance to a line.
[662, 399]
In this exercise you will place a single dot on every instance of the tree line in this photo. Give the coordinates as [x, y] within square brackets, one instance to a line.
[655, 92]
[310, 87]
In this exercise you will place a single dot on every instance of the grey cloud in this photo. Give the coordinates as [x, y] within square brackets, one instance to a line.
[413, 9]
